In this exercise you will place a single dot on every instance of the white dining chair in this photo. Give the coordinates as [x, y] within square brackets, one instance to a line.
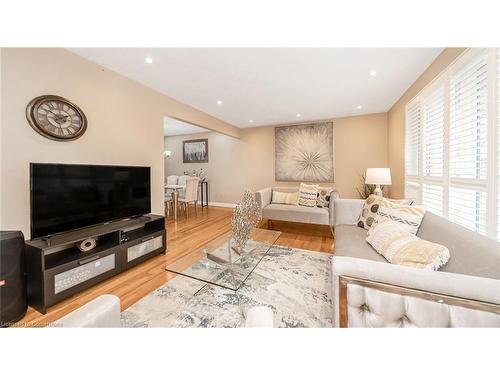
[182, 181]
[171, 180]
[190, 195]
[169, 203]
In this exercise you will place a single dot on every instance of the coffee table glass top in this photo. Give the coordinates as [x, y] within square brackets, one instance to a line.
[219, 264]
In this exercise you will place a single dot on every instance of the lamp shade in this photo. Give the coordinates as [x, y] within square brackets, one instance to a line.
[378, 176]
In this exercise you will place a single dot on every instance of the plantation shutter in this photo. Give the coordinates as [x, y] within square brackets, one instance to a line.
[433, 134]
[412, 191]
[468, 145]
[412, 147]
[468, 208]
[498, 144]
[468, 121]
[432, 198]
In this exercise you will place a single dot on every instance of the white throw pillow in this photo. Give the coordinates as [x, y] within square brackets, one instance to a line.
[285, 198]
[391, 240]
[308, 195]
[409, 217]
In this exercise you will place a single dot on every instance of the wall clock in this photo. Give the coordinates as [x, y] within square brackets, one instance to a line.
[56, 118]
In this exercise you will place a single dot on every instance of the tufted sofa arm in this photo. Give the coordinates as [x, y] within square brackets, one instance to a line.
[376, 294]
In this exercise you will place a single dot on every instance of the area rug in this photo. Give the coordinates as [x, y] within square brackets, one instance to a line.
[294, 283]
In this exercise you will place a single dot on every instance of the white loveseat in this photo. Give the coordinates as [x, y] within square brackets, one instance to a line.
[370, 292]
[294, 213]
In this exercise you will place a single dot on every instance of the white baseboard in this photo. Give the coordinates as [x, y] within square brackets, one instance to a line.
[221, 204]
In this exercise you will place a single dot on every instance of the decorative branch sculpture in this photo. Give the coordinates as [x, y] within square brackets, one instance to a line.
[246, 216]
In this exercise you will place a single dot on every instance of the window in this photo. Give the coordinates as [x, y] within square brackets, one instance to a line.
[452, 153]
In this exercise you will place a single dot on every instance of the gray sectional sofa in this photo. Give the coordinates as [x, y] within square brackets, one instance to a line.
[370, 292]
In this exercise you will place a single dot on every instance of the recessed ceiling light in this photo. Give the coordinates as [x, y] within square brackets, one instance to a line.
[298, 115]
[148, 60]
[373, 73]
[359, 107]
[250, 121]
[219, 102]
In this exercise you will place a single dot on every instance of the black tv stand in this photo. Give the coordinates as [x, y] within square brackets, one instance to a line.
[57, 269]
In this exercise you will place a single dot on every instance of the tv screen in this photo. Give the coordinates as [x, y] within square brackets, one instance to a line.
[66, 196]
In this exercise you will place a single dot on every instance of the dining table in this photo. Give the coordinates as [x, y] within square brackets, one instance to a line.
[175, 196]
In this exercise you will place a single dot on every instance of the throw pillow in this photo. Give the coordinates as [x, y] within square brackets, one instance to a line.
[308, 195]
[402, 202]
[370, 209]
[409, 217]
[398, 246]
[323, 199]
[285, 198]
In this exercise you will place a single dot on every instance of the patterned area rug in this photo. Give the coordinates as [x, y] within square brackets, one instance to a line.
[295, 284]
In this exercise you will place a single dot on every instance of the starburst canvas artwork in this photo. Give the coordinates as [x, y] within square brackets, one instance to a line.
[304, 152]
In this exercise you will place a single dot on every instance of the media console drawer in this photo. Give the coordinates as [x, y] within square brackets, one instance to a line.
[88, 270]
[145, 247]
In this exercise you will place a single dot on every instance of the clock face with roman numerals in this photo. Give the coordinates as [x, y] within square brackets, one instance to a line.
[56, 118]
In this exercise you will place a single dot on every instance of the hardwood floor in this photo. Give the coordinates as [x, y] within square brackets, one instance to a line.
[183, 236]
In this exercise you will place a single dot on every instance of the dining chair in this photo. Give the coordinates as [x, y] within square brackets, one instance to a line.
[171, 180]
[182, 181]
[169, 203]
[190, 195]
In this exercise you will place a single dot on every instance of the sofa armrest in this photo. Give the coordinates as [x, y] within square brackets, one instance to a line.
[346, 211]
[264, 197]
[425, 304]
[101, 312]
[334, 195]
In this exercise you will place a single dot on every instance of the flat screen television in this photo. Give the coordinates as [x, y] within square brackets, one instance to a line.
[69, 196]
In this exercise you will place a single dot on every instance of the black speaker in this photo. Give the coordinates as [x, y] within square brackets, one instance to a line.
[13, 304]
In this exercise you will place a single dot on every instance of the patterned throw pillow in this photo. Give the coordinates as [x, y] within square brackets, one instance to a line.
[398, 246]
[323, 199]
[308, 195]
[402, 202]
[409, 217]
[370, 208]
[285, 198]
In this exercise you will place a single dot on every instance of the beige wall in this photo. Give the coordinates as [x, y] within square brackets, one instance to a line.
[396, 118]
[125, 123]
[248, 163]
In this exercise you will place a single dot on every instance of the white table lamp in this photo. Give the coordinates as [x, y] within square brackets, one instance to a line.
[377, 177]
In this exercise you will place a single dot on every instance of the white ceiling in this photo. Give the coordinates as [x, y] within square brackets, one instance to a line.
[172, 126]
[271, 86]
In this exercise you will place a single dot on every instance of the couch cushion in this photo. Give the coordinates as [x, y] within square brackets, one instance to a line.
[350, 241]
[300, 214]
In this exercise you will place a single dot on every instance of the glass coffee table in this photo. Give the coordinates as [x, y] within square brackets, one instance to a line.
[219, 264]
